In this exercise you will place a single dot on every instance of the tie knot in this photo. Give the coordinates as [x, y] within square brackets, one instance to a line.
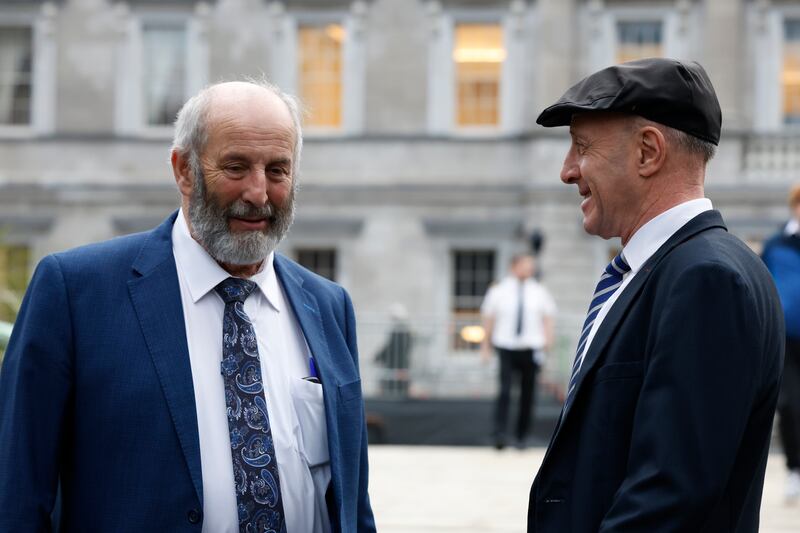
[618, 266]
[235, 289]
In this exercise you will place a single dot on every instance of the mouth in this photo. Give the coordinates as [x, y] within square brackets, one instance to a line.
[586, 194]
[248, 224]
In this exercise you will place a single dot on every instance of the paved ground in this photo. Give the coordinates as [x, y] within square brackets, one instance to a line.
[417, 489]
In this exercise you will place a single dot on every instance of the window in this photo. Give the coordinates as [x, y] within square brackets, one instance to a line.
[478, 53]
[163, 72]
[16, 62]
[637, 40]
[320, 261]
[14, 262]
[473, 272]
[791, 72]
[320, 74]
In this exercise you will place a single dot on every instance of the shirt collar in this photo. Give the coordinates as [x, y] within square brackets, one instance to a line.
[657, 231]
[205, 273]
[792, 227]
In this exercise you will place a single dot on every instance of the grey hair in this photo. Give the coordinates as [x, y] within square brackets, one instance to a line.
[686, 142]
[690, 144]
[191, 133]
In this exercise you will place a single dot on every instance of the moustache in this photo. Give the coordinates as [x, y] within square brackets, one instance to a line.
[242, 209]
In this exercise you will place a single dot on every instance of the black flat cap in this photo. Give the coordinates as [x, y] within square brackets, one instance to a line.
[674, 93]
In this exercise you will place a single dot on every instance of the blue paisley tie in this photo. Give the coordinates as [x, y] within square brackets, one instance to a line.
[255, 467]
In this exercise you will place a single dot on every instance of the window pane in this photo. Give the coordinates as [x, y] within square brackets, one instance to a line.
[791, 72]
[319, 261]
[164, 72]
[478, 54]
[473, 272]
[320, 72]
[16, 60]
[638, 40]
[14, 273]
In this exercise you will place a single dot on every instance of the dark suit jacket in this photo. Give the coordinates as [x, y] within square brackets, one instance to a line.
[670, 424]
[96, 392]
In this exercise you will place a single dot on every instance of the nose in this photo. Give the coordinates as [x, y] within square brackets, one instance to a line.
[255, 188]
[570, 170]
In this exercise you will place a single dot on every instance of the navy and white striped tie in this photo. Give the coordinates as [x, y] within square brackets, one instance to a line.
[608, 284]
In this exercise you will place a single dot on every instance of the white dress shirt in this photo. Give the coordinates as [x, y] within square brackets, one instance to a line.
[643, 244]
[295, 406]
[502, 304]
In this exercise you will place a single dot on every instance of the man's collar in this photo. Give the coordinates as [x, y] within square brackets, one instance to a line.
[202, 273]
[792, 227]
[657, 231]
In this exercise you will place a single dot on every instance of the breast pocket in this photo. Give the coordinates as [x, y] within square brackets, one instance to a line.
[313, 432]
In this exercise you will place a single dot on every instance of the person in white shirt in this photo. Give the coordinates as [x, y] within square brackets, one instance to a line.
[518, 321]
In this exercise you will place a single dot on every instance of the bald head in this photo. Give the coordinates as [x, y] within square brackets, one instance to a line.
[235, 100]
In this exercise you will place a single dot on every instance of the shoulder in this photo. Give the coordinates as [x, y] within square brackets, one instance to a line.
[715, 259]
[99, 259]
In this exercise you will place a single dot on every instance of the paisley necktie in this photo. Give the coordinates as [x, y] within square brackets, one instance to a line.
[255, 467]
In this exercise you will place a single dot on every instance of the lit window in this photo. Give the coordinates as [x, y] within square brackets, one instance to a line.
[14, 264]
[164, 72]
[16, 60]
[319, 261]
[638, 40]
[478, 55]
[320, 69]
[791, 72]
[473, 272]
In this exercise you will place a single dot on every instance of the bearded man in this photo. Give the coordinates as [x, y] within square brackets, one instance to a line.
[189, 378]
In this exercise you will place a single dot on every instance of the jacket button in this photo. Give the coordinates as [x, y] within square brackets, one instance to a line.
[194, 516]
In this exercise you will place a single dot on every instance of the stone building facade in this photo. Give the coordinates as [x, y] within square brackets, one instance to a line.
[423, 169]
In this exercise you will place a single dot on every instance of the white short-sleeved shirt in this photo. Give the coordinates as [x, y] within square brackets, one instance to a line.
[502, 303]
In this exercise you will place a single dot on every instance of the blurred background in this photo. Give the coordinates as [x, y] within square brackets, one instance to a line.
[423, 170]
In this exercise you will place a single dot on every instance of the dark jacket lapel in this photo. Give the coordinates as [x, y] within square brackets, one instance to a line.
[155, 294]
[612, 321]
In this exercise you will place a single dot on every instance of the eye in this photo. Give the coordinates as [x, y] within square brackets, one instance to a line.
[235, 168]
[278, 171]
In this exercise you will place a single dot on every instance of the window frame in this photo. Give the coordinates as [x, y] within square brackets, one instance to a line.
[456, 345]
[43, 71]
[333, 250]
[678, 31]
[442, 83]
[129, 107]
[285, 72]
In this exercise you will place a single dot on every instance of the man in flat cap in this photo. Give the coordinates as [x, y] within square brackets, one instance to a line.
[667, 420]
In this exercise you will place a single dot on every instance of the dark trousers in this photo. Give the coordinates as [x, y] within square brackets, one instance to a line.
[789, 405]
[520, 363]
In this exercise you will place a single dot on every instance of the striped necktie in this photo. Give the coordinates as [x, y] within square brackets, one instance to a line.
[608, 285]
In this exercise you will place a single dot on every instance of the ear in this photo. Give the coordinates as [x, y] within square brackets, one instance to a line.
[182, 172]
[652, 151]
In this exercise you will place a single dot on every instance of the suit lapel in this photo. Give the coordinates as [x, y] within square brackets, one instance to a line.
[306, 309]
[617, 313]
[155, 294]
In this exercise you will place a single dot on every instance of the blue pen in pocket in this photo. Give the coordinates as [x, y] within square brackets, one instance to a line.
[312, 369]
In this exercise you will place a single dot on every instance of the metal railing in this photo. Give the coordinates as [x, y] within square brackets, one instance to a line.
[429, 358]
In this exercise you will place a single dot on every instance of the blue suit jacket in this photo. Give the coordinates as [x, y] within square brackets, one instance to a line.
[670, 425]
[96, 393]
